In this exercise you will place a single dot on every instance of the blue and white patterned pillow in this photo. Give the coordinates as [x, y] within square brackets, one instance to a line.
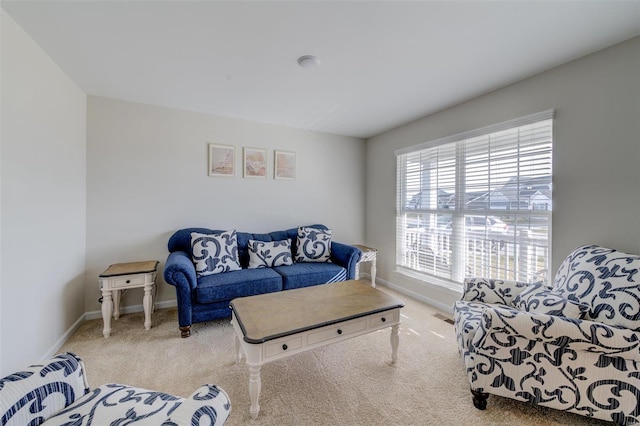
[538, 299]
[607, 280]
[215, 253]
[314, 245]
[267, 254]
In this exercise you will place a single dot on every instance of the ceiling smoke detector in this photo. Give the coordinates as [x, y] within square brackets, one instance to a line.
[308, 61]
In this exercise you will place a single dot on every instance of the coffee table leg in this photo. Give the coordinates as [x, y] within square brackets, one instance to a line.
[395, 341]
[236, 342]
[255, 384]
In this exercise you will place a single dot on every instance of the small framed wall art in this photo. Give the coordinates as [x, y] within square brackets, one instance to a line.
[284, 165]
[222, 160]
[255, 163]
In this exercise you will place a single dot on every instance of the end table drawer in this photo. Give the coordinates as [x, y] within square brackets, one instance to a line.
[280, 346]
[127, 281]
[339, 330]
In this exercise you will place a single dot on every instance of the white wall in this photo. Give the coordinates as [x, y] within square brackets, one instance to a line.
[43, 201]
[596, 188]
[147, 177]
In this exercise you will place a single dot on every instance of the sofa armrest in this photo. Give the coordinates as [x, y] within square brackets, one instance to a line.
[179, 270]
[23, 394]
[346, 256]
[207, 402]
[569, 333]
[487, 290]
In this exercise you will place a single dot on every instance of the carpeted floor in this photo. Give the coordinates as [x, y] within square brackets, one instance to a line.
[348, 383]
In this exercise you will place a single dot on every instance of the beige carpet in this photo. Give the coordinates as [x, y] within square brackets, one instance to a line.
[348, 383]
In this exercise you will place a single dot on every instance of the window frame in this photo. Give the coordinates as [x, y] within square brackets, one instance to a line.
[460, 211]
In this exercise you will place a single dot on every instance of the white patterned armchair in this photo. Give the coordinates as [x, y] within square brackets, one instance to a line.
[574, 346]
[56, 393]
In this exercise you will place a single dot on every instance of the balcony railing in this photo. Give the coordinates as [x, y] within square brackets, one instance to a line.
[523, 257]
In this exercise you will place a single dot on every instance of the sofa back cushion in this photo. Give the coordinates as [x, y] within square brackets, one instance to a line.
[607, 280]
[267, 254]
[215, 253]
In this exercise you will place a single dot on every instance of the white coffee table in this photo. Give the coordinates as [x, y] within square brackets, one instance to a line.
[277, 325]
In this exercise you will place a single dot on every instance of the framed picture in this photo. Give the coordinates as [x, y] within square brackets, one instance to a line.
[284, 165]
[255, 163]
[222, 160]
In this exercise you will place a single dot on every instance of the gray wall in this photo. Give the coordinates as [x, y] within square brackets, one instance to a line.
[147, 177]
[596, 157]
[43, 202]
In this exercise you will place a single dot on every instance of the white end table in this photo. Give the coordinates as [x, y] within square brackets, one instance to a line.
[368, 255]
[122, 276]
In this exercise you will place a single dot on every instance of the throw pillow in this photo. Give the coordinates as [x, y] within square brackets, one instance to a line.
[538, 299]
[267, 254]
[314, 245]
[215, 253]
[607, 280]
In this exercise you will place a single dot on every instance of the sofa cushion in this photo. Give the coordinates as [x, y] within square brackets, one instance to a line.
[314, 245]
[214, 253]
[538, 299]
[605, 279]
[308, 274]
[245, 282]
[263, 254]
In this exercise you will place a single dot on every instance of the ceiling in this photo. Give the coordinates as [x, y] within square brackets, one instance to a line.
[382, 64]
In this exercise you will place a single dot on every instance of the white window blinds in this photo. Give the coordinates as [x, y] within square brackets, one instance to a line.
[478, 203]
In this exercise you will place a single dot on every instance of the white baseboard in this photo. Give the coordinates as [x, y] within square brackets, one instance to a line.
[131, 309]
[61, 341]
[95, 315]
[421, 297]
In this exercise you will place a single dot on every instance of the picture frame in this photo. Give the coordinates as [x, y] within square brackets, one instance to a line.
[255, 163]
[284, 165]
[222, 160]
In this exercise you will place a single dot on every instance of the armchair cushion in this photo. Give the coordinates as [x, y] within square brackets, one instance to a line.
[487, 290]
[606, 280]
[539, 299]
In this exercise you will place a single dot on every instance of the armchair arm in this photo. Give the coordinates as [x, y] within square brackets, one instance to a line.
[23, 394]
[579, 335]
[346, 256]
[207, 402]
[487, 290]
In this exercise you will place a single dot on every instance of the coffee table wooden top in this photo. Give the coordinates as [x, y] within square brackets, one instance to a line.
[268, 316]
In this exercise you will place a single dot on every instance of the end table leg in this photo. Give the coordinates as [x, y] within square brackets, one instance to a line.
[395, 341]
[116, 304]
[107, 310]
[255, 385]
[146, 305]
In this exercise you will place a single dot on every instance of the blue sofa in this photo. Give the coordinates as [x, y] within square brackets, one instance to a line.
[204, 298]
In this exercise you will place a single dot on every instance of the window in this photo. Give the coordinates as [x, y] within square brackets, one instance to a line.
[477, 204]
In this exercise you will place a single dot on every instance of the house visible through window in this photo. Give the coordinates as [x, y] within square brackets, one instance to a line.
[477, 204]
